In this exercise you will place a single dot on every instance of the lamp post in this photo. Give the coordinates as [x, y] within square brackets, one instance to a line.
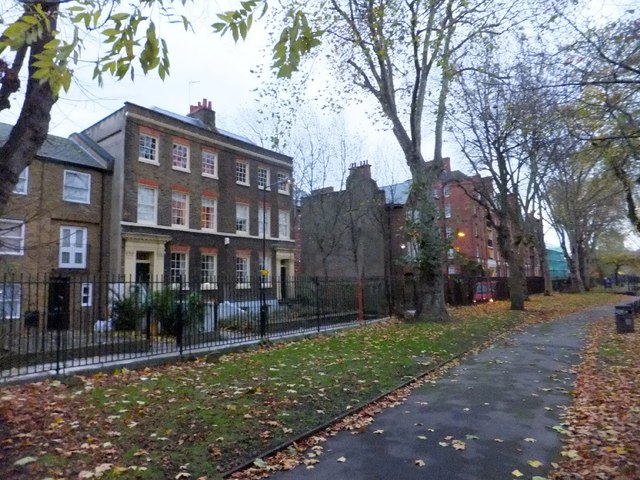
[264, 312]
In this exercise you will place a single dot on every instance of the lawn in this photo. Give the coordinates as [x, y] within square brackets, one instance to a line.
[200, 419]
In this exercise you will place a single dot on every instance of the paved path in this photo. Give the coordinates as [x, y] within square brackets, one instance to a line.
[514, 390]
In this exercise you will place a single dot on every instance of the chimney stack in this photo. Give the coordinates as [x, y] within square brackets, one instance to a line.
[204, 113]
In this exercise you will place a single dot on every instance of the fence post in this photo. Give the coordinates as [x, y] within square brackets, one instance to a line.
[179, 322]
[148, 317]
[316, 280]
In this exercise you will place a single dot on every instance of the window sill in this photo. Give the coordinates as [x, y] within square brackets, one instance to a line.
[150, 162]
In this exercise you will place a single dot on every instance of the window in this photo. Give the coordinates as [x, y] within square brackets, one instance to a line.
[180, 157]
[283, 183]
[179, 209]
[148, 149]
[242, 173]
[86, 293]
[23, 182]
[263, 178]
[209, 164]
[283, 224]
[178, 268]
[264, 219]
[265, 270]
[449, 232]
[450, 253]
[76, 187]
[209, 271]
[73, 247]
[447, 211]
[242, 218]
[490, 243]
[208, 213]
[435, 193]
[147, 205]
[242, 271]
[11, 237]
[9, 300]
[445, 190]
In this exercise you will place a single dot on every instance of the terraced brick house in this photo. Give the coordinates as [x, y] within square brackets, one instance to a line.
[54, 224]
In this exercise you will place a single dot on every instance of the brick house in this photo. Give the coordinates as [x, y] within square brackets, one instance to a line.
[343, 233]
[188, 200]
[380, 214]
[54, 223]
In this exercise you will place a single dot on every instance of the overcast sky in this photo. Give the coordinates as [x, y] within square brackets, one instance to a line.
[204, 65]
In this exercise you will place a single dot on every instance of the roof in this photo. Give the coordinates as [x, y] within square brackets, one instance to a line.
[196, 122]
[79, 150]
[397, 193]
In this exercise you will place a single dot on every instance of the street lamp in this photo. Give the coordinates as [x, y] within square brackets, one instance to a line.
[264, 312]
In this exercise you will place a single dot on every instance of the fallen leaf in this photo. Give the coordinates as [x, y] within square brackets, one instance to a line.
[535, 463]
[341, 460]
[422, 437]
[517, 473]
[530, 440]
[420, 463]
[458, 444]
[25, 461]
[378, 432]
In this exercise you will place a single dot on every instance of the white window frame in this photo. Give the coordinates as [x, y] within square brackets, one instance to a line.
[243, 280]
[154, 220]
[181, 268]
[283, 184]
[214, 156]
[265, 265]
[448, 232]
[242, 173]
[242, 214]
[447, 211]
[450, 253]
[209, 275]
[174, 202]
[86, 294]
[152, 148]
[68, 175]
[212, 203]
[284, 233]
[445, 191]
[263, 184]
[180, 152]
[261, 224]
[10, 308]
[72, 249]
[7, 236]
[22, 187]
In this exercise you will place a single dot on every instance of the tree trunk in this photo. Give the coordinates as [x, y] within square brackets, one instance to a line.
[32, 126]
[431, 305]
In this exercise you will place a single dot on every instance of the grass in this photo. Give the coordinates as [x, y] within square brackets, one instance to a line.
[204, 418]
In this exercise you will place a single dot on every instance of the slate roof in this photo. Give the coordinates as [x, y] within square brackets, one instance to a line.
[79, 150]
[196, 122]
[398, 193]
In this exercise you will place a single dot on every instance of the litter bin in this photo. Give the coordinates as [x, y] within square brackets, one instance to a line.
[624, 319]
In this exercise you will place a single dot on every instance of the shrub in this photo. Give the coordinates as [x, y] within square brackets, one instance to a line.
[127, 313]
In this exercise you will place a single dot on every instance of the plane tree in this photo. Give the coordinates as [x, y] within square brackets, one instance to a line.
[42, 41]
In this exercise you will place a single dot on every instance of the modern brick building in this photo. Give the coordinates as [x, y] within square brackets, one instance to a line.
[472, 241]
[188, 200]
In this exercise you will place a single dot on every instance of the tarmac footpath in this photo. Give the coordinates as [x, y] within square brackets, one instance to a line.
[483, 419]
